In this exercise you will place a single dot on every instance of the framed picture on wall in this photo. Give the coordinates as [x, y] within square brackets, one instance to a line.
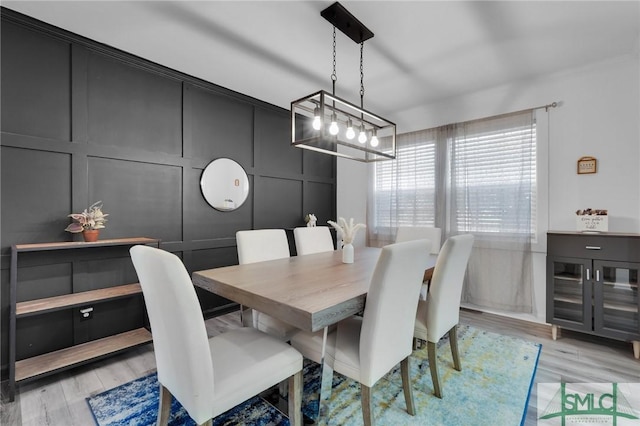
[587, 165]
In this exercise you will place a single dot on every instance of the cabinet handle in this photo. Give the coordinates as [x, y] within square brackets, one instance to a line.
[597, 275]
[592, 248]
[588, 275]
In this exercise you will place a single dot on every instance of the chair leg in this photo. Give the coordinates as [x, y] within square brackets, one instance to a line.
[295, 399]
[367, 408]
[453, 341]
[164, 407]
[431, 351]
[283, 389]
[406, 386]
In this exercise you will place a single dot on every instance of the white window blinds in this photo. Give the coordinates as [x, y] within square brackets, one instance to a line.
[489, 181]
[493, 175]
[405, 188]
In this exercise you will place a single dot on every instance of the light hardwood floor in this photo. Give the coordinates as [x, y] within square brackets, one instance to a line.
[573, 358]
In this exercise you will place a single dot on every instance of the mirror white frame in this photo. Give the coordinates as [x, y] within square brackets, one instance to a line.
[224, 184]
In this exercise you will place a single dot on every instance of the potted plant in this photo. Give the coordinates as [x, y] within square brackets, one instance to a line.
[89, 222]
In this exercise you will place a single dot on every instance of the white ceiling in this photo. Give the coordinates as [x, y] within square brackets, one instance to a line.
[422, 51]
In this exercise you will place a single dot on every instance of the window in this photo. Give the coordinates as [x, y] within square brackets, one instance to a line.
[405, 188]
[493, 173]
[477, 177]
[485, 179]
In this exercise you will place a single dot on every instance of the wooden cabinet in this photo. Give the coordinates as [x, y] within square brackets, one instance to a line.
[51, 362]
[592, 284]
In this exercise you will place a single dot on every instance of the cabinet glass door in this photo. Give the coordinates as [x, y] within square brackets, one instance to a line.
[616, 300]
[571, 288]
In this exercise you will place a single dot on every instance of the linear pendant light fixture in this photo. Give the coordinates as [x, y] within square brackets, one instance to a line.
[323, 122]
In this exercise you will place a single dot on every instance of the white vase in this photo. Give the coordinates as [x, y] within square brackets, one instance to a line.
[347, 253]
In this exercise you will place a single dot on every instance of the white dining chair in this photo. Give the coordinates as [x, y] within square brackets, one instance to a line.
[259, 245]
[408, 233]
[208, 376]
[440, 313]
[312, 239]
[368, 347]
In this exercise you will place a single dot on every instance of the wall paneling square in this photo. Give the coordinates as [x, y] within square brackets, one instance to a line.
[36, 195]
[142, 199]
[131, 107]
[36, 96]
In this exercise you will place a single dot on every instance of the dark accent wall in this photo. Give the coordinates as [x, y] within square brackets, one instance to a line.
[83, 122]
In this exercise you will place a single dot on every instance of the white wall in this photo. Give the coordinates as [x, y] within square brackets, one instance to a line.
[599, 116]
[352, 194]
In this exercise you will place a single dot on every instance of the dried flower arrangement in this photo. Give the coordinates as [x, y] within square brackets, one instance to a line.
[590, 212]
[348, 230]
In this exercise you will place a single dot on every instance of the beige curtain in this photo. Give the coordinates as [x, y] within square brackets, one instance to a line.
[476, 177]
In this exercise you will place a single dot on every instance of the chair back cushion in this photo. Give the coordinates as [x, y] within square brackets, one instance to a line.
[180, 342]
[259, 245]
[443, 302]
[389, 314]
[408, 233]
[314, 239]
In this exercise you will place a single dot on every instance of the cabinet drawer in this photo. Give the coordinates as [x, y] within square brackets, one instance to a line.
[589, 246]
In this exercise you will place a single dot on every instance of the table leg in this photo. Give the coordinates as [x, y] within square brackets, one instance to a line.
[246, 317]
[326, 382]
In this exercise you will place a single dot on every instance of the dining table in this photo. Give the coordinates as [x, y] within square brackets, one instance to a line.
[310, 292]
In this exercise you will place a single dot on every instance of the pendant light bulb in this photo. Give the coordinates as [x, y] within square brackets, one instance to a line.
[333, 128]
[374, 138]
[350, 132]
[362, 137]
[317, 123]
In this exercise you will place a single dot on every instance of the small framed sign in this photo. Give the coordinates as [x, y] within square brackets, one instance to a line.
[587, 165]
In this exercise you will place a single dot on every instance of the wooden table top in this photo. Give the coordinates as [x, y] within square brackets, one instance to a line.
[310, 292]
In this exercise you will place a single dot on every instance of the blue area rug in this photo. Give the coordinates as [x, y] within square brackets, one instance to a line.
[493, 386]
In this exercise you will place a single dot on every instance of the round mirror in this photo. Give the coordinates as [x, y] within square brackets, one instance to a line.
[224, 184]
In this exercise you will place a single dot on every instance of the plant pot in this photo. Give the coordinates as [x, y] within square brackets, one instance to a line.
[347, 253]
[91, 235]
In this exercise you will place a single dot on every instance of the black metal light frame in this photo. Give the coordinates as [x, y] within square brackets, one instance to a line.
[327, 105]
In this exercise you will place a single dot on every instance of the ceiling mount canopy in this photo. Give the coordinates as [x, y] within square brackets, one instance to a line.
[326, 123]
[343, 20]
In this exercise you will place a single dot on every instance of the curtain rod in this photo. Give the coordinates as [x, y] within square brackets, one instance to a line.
[546, 109]
[506, 114]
